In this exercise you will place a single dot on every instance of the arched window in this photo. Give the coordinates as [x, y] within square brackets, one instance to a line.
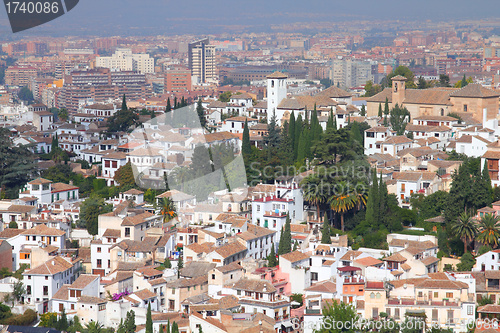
[442, 112]
[395, 87]
[372, 295]
[272, 83]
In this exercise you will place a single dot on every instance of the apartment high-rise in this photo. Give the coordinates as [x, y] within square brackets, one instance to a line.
[125, 60]
[348, 73]
[201, 60]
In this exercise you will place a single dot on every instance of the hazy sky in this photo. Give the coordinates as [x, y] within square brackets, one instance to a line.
[110, 17]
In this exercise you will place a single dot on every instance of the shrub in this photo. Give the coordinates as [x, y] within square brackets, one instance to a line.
[27, 318]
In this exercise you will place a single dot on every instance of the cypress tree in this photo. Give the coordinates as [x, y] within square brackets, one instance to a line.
[271, 259]
[295, 246]
[175, 102]
[326, 232]
[316, 129]
[149, 320]
[288, 235]
[246, 148]
[201, 113]
[175, 328]
[373, 203]
[167, 263]
[383, 194]
[124, 103]
[363, 110]
[356, 133]
[335, 122]
[183, 102]
[297, 134]
[302, 151]
[291, 131]
[464, 82]
[285, 146]
[329, 124]
[386, 123]
[55, 144]
[380, 110]
[386, 107]
[281, 246]
[168, 326]
[180, 265]
[169, 107]
[161, 329]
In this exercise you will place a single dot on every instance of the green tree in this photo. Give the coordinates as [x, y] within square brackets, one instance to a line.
[90, 210]
[464, 82]
[16, 165]
[422, 84]
[271, 259]
[341, 202]
[483, 249]
[246, 148]
[444, 80]
[363, 110]
[465, 228]
[130, 322]
[373, 203]
[489, 230]
[62, 114]
[18, 290]
[25, 94]
[225, 96]
[168, 108]
[466, 263]
[175, 327]
[180, 265]
[123, 119]
[403, 71]
[124, 176]
[167, 263]
[201, 113]
[338, 313]
[149, 320]
[337, 146]
[386, 107]
[380, 110]
[63, 324]
[399, 118]
[326, 232]
[150, 195]
[93, 327]
[167, 209]
[13, 225]
[314, 192]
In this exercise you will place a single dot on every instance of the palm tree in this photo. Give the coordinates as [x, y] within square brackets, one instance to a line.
[167, 209]
[489, 230]
[314, 193]
[341, 203]
[93, 327]
[465, 228]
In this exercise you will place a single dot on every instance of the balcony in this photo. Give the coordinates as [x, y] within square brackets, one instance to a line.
[423, 302]
[313, 311]
[355, 280]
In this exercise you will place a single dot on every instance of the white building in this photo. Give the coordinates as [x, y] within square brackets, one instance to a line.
[374, 138]
[124, 60]
[43, 281]
[276, 92]
[48, 192]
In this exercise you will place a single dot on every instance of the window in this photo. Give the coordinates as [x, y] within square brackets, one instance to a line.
[28, 290]
[314, 276]
[470, 310]
[449, 295]
[465, 107]
[396, 314]
[99, 263]
[436, 294]
[213, 276]
[45, 290]
[98, 250]
[127, 232]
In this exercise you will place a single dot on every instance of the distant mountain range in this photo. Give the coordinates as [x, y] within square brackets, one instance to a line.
[150, 17]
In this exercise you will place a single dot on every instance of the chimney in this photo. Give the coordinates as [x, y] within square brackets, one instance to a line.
[204, 314]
